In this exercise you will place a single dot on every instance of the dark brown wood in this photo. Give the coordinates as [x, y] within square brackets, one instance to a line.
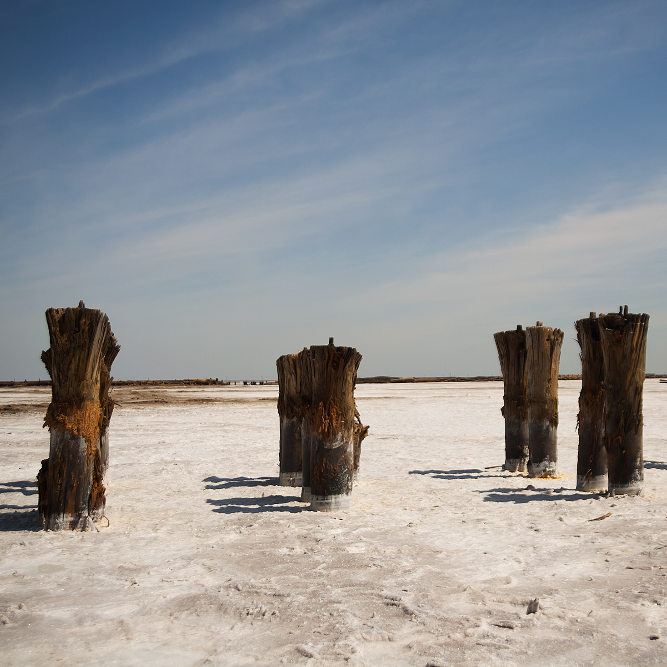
[543, 346]
[70, 482]
[511, 346]
[592, 455]
[332, 423]
[289, 412]
[306, 384]
[623, 339]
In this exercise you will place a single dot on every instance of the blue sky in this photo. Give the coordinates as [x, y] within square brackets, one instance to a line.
[233, 181]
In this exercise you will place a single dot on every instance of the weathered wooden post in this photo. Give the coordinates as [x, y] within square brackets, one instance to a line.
[623, 339]
[306, 418]
[332, 422]
[70, 482]
[543, 346]
[592, 455]
[289, 412]
[511, 346]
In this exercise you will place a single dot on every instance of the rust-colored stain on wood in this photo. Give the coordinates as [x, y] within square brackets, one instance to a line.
[70, 482]
[329, 420]
[317, 385]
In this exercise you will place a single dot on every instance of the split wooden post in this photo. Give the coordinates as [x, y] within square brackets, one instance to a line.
[70, 482]
[543, 346]
[289, 412]
[332, 422]
[623, 339]
[511, 346]
[592, 455]
[306, 419]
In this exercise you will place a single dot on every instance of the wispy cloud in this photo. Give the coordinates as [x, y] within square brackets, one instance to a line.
[223, 34]
[399, 164]
[583, 250]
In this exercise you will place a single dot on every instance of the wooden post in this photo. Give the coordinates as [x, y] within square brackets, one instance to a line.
[332, 423]
[306, 375]
[592, 455]
[623, 338]
[511, 346]
[543, 346]
[289, 412]
[70, 482]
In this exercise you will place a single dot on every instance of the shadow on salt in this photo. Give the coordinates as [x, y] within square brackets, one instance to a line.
[232, 482]
[473, 473]
[658, 465]
[526, 496]
[18, 520]
[274, 503]
[27, 488]
[19, 517]
[255, 505]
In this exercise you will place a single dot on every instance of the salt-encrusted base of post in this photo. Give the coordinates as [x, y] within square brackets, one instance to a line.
[341, 501]
[592, 455]
[543, 346]
[70, 482]
[306, 383]
[623, 339]
[289, 412]
[332, 471]
[511, 346]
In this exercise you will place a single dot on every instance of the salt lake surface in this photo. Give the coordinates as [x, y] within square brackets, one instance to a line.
[205, 561]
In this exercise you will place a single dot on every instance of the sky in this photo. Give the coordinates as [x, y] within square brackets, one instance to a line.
[233, 181]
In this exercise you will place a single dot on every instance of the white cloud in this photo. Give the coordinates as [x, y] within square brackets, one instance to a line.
[579, 251]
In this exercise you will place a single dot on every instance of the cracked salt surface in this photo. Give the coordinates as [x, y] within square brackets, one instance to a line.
[205, 561]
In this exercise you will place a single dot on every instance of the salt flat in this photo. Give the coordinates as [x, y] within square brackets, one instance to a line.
[205, 561]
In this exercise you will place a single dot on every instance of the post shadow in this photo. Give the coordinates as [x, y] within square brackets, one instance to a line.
[472, 473]
[235, 482]
[657, 465]
[17, 521]
[26, 487]
[255, 505]
[519, 496]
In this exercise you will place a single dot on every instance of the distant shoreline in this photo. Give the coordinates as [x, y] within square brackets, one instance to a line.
[377, 379]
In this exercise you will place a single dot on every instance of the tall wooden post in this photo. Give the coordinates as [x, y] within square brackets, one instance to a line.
[592, 455]
[543, 346]
[306, 375]
[623, 339]
[289, 412]
[511, 346]
[332, 422]
[70, 482]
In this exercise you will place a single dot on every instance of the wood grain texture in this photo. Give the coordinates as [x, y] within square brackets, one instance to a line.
[623, 338]
[592, 455]
[511, 346]
[289, 411]
[332, 423]
[70, 482]
[306, 387]
[543, 345]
